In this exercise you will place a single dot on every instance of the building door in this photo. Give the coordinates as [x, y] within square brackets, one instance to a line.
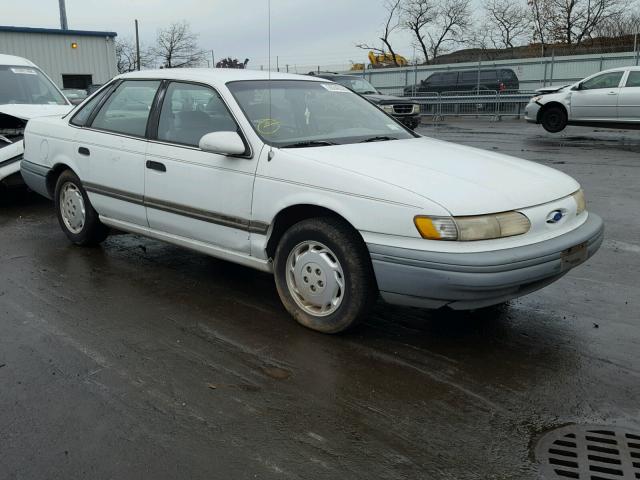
[76, 81]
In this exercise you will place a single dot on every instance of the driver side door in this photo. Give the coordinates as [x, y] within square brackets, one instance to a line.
[191, 193]
[597, 99]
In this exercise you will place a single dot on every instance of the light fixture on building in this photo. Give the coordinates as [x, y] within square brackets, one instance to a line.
[74, 45]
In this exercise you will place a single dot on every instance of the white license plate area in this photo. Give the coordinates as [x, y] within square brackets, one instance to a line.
[574, 256]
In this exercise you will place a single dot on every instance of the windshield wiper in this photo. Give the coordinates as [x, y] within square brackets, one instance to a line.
[380, 138]
[309, 143]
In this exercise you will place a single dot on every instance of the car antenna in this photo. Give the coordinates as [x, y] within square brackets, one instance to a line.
[271, 153]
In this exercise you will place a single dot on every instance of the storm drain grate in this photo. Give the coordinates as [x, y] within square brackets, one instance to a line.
[590, 452]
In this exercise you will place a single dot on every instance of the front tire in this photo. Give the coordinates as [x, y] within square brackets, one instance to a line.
[554, 119]
[77, 218]
[324, 276]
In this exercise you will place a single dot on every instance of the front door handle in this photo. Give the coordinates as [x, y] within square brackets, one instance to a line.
[612, 93]
[160, 167]
[84, 151]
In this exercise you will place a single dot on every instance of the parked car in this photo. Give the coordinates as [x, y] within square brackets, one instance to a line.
[607, 99]
[75, 95]
[25, 92]
[401, 109]
[302, 178]
[495, 79]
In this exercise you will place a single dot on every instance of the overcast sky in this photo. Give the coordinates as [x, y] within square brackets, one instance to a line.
[304, 32]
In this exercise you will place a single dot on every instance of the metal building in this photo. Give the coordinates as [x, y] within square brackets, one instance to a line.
[72, 58]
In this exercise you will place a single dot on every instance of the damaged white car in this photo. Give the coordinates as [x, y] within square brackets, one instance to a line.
[25, 93]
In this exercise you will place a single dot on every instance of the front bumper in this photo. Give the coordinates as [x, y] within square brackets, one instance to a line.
[474, 280]
[531, 112]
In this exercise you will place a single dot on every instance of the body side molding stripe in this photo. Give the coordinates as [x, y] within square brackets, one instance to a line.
[195, 213]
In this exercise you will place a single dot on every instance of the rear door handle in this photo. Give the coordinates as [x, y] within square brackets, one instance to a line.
[160, 167]
[84, 151]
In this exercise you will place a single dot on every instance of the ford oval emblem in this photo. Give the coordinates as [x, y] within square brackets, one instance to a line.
[555, 216]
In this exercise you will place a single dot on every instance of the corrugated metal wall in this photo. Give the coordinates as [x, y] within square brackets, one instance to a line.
[94, 56]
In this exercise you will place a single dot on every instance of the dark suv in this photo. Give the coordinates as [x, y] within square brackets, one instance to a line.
[405, 111]
[497, 79]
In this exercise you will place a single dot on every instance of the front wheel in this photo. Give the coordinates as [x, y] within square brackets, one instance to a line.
[78, 219]
[324, 276]
[554, 119]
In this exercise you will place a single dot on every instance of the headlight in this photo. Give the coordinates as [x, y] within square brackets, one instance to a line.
[480, 227]
[416, 109]
[388, 108]
[581, 203]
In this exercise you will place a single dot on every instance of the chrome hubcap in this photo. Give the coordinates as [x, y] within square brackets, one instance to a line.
[315, 278]
[72, 207]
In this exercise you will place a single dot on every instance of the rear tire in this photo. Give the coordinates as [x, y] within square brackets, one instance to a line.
[77, 218]
[324, 276]
[554, 119]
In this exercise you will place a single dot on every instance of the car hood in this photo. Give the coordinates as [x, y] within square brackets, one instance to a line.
[463, 180]
[551, 89]
[27, 111]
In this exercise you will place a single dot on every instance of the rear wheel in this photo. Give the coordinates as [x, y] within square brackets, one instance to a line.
[324, 276]
[78, 219]
[554, 119]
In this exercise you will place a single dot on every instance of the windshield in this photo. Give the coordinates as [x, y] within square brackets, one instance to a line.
[27, 85]
[312, 112]
[358, 85]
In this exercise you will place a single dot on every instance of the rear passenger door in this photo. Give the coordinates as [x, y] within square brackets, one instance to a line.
[113, 146]
[629, 99]
[190, 193]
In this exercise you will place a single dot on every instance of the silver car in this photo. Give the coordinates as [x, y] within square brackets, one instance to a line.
[607, 99]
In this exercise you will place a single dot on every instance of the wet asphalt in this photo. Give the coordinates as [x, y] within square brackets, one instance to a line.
[141, 360]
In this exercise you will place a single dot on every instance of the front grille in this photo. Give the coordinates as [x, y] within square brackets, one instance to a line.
[403, 109]
[590, 453]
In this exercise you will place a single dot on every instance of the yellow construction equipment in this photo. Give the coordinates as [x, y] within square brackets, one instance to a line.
[386, 60]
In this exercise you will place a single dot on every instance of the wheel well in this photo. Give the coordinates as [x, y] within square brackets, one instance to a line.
[52, 177]
[292, 215]
[548, 105]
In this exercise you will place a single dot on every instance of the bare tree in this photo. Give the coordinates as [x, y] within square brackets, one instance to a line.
[177, 47]
[574, 21]
[418, 16]
[624, 23]
[451, 24]
[508, 22]
[541, 13]
[126, 56]
[392, 23]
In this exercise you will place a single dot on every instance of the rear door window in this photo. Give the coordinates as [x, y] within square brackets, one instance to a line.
[127, 109]
[633, 80]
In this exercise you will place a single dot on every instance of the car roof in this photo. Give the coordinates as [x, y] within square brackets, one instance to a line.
[212, 75]
[620, 69]
[16, 61]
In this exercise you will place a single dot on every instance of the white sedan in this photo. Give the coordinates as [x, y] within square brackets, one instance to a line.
[607, 99]
[25, 93]
[303, 178]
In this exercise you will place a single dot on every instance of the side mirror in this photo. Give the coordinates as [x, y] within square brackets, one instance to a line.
[577, 87]
[223, 143]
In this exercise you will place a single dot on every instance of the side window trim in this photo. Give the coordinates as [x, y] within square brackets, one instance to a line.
[161, 99]
[109, 90]
[156, 111]
[101, 103]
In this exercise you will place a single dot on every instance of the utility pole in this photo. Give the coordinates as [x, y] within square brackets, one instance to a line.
[213, 60]
[137, 47]
[63, 15]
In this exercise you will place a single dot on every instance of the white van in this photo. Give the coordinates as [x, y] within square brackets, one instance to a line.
[25, 92]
